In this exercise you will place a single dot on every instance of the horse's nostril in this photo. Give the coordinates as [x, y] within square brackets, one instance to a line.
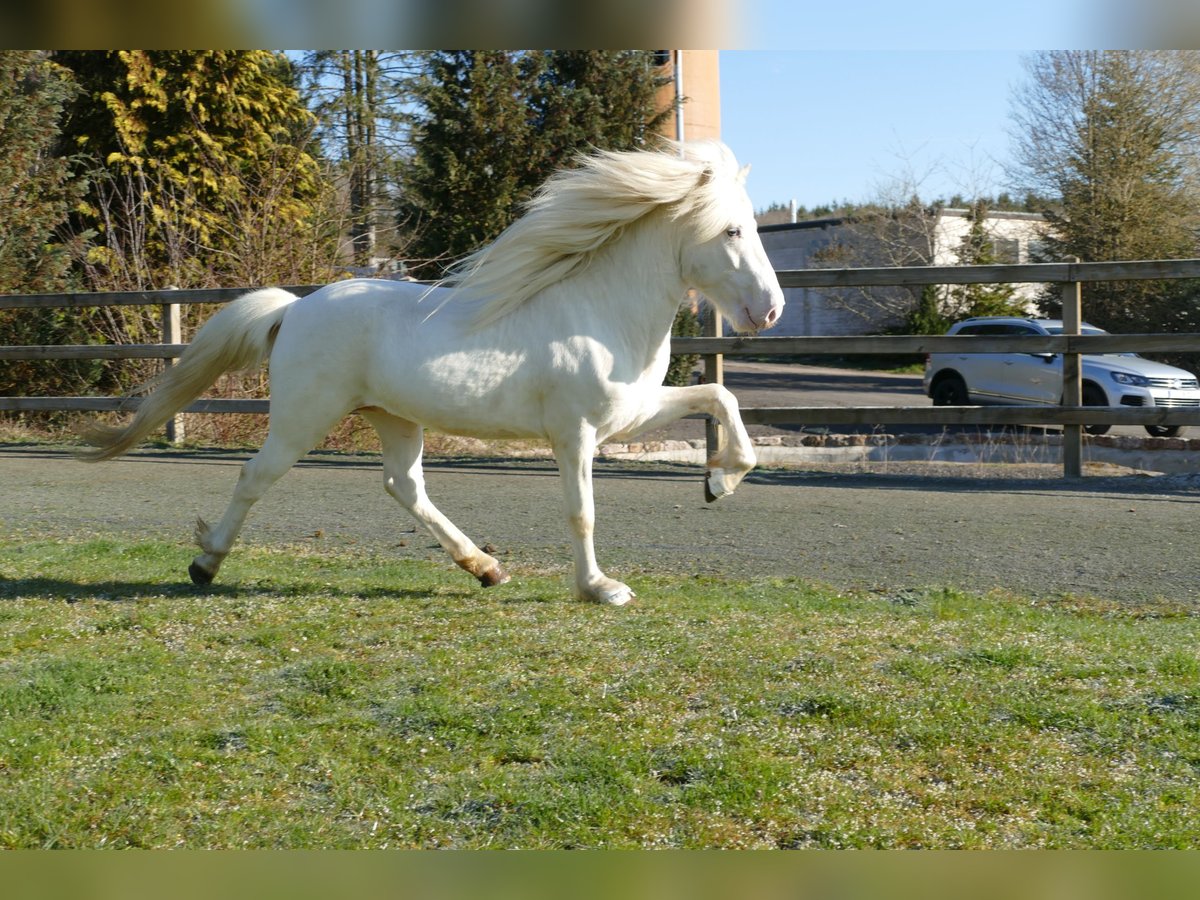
[772, 315]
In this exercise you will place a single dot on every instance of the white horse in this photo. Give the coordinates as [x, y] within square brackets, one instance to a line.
[559, 331]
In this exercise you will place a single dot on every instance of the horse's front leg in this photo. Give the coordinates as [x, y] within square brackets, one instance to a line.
[734, 457]
[574, 456]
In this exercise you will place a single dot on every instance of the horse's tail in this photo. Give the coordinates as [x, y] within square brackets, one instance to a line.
[240, 336]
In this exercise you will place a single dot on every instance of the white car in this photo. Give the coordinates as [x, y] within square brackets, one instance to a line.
[1035, 379]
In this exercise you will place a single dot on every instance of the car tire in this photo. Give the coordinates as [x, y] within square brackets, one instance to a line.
[949, 390]
[1164, 430]
[1093, 396]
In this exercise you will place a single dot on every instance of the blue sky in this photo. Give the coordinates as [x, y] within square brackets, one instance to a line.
[840, 100]
[831, 125]
[925, 24]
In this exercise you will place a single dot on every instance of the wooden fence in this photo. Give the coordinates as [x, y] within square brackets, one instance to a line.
[1072, 415]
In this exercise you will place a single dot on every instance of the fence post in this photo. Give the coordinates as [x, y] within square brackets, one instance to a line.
[714, 373]
[1072, 316]
[172, 333]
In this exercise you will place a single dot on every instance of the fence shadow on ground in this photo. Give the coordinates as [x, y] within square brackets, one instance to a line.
[116, 592]
[1145, 488]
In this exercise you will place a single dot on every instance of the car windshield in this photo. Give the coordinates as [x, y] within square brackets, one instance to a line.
[1086, 329]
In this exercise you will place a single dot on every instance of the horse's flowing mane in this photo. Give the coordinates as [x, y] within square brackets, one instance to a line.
[579, 210]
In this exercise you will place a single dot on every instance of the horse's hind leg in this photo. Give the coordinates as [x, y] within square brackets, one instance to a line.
[289, 438]
[402, 447]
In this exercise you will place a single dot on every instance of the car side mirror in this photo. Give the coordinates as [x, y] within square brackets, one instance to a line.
[1046, 357]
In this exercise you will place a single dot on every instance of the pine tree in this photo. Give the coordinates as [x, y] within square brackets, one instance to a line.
[495, 124]
[472, 148]
[591, 98]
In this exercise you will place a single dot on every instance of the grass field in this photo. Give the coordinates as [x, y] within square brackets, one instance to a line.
[348, 700]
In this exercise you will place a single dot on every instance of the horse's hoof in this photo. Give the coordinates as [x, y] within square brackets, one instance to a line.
[606, 591]
[611, 593]
[715, 486]
[493, 576]
[200, 576]
[618, 597]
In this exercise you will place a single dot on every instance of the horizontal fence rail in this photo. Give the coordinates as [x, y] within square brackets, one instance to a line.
[918, 344]
[136, 298]
[94, 351]
[126, 404]
[1072, 346]
[1029, 273]
[750, 346]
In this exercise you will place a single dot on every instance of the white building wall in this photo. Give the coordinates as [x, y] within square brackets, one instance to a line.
[1018, 230]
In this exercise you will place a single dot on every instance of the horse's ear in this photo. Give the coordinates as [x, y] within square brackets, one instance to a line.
[742, 173]
[706, 175]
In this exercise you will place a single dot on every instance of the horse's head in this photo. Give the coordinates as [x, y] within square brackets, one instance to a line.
[725, 259]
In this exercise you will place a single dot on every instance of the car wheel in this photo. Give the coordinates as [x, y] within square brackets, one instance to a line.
[949, 391]
[1164, 430]
[1093, 396]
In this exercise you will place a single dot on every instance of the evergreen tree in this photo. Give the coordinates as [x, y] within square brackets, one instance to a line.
[36, 187]
[36, 193]
[200, 162]
[472, 149]
[927, 316]
[590, 98]
[978, 248]
[1115, 135]
[494, 125]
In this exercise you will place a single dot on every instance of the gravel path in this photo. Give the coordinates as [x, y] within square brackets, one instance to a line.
[1131, 539]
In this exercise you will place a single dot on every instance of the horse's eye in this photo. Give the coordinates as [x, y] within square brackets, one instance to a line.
[735, 232]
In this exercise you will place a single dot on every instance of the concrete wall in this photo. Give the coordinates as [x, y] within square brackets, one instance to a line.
[810, 312]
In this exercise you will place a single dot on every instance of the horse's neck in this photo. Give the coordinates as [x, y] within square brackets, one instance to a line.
[634, 286]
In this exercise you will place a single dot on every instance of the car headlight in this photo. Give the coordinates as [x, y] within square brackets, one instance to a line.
[1126, 378]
